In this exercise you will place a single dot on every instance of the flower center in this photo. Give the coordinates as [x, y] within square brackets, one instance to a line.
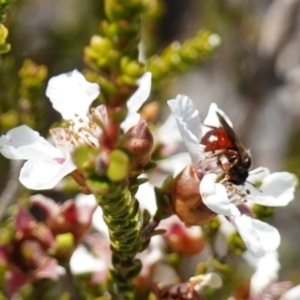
[81, 130]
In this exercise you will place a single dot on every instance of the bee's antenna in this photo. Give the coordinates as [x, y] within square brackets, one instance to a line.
[258, 171]
[254, 185]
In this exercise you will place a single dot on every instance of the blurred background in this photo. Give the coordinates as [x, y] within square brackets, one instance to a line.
[254, 76]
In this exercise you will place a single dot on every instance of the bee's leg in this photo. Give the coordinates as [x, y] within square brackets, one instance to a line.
[234, 190]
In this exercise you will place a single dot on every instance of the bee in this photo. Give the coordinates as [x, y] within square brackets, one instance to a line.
[224, 141]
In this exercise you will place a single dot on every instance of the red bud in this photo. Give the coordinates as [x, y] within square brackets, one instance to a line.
[140, 145]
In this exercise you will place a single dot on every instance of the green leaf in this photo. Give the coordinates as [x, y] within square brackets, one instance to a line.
[146, 216]
[98, 187]
[84, 157]
[119, 166]
[163, 199]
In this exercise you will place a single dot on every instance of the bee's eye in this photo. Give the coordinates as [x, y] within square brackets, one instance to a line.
[247, 162]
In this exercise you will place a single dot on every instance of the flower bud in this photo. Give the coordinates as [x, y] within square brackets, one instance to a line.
[179, 291]
[101, 44]
[101, 52]
[65, 245]
[27, 228]
[150, 111]
[186, 199]
[9, 119]
[132, 68]
[118, 9]
[3, 34]
[184, 242]
[107, 87]
[140, 145]
[4, 47]
[242, 291]
[157, 66]
[30, 254]
[262, 212]
[236, 244]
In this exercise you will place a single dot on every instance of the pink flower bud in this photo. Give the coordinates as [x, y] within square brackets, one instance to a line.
[140, 145]
[183, 242]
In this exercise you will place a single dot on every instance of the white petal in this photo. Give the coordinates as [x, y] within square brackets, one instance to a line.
[82, 199]
[226, 227]
[136, 101]
[256, 176]
[189, 125]
[221, 241]
[169, 222]
[131, 120]
[214, 196]
[276, 190]
[146, 197]
[98, 222]
[101, 113]
[71, 94]
[258, 236]
[41, 174]
[82, 261]
[292, 294]
[151, 255]
[193, 231]
[268, 234]
[24, 143]
[248, 234]
[175, 163]
[211, 279]
[174, 222]
[268, 264]
[168, 132]
[141, 94]
[266, 271]
[212, 119]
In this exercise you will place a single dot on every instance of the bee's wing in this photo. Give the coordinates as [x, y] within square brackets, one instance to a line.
[233, 137]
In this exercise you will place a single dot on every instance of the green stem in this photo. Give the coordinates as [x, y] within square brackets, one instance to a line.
[74, 293]
[122, 216]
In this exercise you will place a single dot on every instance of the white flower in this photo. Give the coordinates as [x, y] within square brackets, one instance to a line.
[266, 271]
[135, 102]
[215, 196]
[174, 226]
[97, 220]
[223, 197]
[292, 294]
[82, 261]
[46, 164]
[174, 164]
[168, 133]
[71, 95]
[168, 138]
[276, 189]
[264, 282]
[146, 197]
[258, 236]
[211, 279]
[152, 255]
[189, 126]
